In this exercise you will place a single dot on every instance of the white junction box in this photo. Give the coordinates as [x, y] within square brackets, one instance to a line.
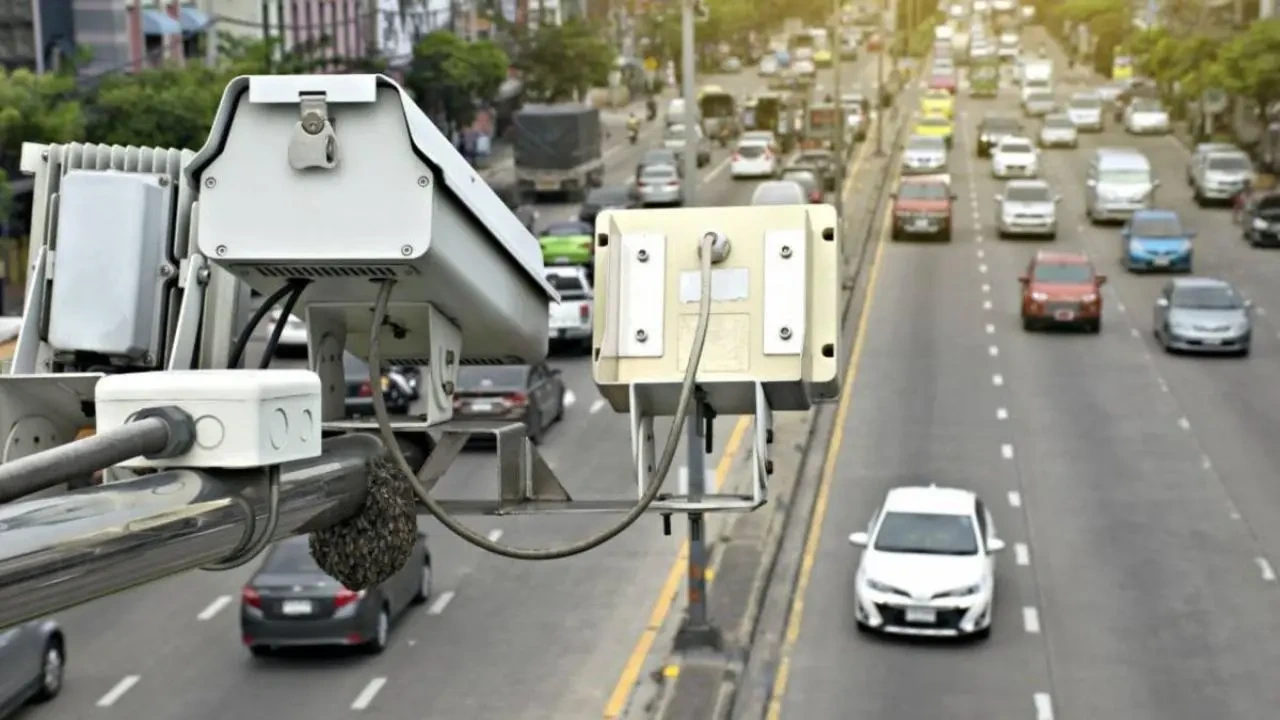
[243, 418]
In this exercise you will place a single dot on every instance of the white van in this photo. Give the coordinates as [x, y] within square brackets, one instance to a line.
[1037, 70]
[1118, 182]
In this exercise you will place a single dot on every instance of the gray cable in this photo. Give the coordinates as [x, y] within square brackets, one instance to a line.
[655, 481]
[51, 467]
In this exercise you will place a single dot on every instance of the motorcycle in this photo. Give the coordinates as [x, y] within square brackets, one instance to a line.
[651, 109]
[634, 135]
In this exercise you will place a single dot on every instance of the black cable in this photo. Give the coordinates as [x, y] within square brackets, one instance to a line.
[270, 350]
[242, 341]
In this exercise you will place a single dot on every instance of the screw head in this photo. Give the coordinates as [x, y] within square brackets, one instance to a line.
[784, 333]
[424, 181]
[407, 250]
[641, 335]
[221, 250]
[163, 181]
[166, 271]
[643, 256]
[44, 154]
[786, 252]
[210, 183]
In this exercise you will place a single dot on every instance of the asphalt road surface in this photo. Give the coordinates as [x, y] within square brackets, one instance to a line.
[1136, 490]
[499, 638]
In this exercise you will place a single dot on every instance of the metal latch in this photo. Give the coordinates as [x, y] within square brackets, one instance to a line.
[314, 143]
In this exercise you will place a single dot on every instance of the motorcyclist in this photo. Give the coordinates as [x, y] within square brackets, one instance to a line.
[651, 107]
[633, 126]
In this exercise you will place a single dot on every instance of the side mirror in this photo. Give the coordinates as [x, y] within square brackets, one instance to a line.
[1155, 184]
[556, 372]
[1102, 280]
[1024, 279]
[858, 539]
[1091, 182]
[1057, 198]
[1162, 302]
[999, 198]
[995, 545]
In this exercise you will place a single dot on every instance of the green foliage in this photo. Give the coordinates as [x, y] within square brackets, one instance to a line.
[448, 75]
[34, 108]
[562, 62]
[161, 107]
[1250, 63]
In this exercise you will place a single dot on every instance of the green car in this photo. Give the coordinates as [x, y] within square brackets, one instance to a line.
[984, 81]
[567, 243]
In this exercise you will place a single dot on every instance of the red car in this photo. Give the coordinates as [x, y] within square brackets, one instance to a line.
[943, 81]
[1062, 289]
[922, 206]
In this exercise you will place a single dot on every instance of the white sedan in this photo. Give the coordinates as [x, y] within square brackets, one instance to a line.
[1146, 116]
[1015, 157]
[928, 565]
[753, 159]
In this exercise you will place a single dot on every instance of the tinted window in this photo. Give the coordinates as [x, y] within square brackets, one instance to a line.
[1230, 162]
[478, 377]
[717, 105]
[751, 152]
[565, 283]
[567, 229]
[1028, 193]
[1166, 226]
[927, 534]
[1015, 147]
[924, 191]
[291, 557]
[657, 174]
[1207, 298]
[1087, 103]
[1147, 105]
[1067, 273]
[922, 142]
[1058, 121]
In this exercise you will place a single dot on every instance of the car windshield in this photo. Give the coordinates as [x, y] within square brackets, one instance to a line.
[1059, 122]
[984, 73]
[291, 557]
[653, 175]
[935, 122]
[924, 191]
[608, 196]
[1065, 273]
[570, 287]
[937, 95]
[1028, 194]
[924, 142]
[1157, 227]
[751, 151]
[1085, 103]
[1147, 105]
[926, 534]
[814, 158]
[483, 377]
[1125, 177]
[1207, 298]
[1040, 96]
[675, 133]
[1016, 147]
[567, 229]
[1230, 162]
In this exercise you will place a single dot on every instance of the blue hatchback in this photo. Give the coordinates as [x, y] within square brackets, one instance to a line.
[1156, 240]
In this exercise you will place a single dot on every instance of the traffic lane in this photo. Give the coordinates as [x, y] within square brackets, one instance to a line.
[1228, 403]
[923, 411]
[1120, 511]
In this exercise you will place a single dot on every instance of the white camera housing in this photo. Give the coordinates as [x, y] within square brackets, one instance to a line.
[341, 180]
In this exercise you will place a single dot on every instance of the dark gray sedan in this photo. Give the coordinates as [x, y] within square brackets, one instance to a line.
[1203, 315]
[32, 660]
[291, 602]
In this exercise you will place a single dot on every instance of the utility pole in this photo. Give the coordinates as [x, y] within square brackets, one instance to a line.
[37, 31]
[837, 42]
[879, 103]
[689, 184]
[698, 632]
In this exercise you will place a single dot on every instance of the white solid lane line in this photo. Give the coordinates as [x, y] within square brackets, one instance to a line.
[366, 696]
[1044, 706]
[1022, 554]
[214, 608]
[569, 398]
[1031, 620]
[1268, 574]
[1015, 498]
[118, 690]
[597, 406]
[1184, 423]
[441, 603]
[495, 535]
[1006, 451]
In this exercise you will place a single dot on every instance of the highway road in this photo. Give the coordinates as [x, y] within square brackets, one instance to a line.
[499, 638]
[1136, 491]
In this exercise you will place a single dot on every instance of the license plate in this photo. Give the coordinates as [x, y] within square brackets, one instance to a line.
[921, 225]
[548, 184]
[560, 334]
[922, 615]
[482, 407]
[1161, 262]
[1064, 316]
[562, 261]
[296, 607]
[1213, 341]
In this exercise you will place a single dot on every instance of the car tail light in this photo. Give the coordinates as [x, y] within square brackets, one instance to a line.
[673, 186]
[250, 597]
[815, 196]
[345, 597]
[737, 157]
[584, 311]
[365, 390]
[517, 399]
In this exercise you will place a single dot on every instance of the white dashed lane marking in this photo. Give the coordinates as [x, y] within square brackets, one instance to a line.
[597, 406]
[1022, 554]
[118, 690]
[441, 603]
[1268, 574]
[1002, 414]
[986, 304]
[991, 329]
[997, 380]
[1031, 620]
[1015, 498]
[982, 268]
[370, 691]
[213, 608]
[1184, 423]
[1044, 706]
[993, 351]
[1006, 451]
[986, 288]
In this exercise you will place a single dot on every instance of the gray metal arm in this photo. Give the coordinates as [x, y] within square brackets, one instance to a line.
[61, 551]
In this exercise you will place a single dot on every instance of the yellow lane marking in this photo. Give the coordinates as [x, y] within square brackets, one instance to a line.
[622, 690]
[814, 536]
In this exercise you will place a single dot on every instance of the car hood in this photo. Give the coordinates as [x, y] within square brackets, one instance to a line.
[1084, 112]
[1064, 291]
[923, 575]
[1008, 157]
[1207, 319]
[1058, 130]
[1150, 115]
[1028, 208]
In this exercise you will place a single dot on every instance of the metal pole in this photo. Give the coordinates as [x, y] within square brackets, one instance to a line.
[689, 185]
[697, 631]
[37, 31]
[837, 61]
[62, 551]
[879, 104]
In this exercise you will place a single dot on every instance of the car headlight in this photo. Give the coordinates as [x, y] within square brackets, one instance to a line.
[1039, 296]
[1260, 224]
[959, 592]
[1091, 297]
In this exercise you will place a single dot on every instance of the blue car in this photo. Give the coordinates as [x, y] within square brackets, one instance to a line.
[1156, 240]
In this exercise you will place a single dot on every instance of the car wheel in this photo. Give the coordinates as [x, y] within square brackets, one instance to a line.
[1245, 352]
[533, 425]
[381, 632]
[51, 671]
[424, 588]
[1094, 326]
[1028, 324]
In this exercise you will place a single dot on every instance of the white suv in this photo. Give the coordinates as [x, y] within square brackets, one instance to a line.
[1015, 157]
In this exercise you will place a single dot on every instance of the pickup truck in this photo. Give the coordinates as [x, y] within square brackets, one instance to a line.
[571, 318]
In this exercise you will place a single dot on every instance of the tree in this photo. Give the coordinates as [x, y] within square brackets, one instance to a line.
[160, 107]
[562, 62]
[34, 108]
[1110, 23]
[1250, 63]
[447, 75]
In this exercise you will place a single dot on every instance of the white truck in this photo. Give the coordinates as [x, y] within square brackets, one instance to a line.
[1036, 70]
[571, 319]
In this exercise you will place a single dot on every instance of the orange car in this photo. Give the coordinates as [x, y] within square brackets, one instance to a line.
[1062, 289]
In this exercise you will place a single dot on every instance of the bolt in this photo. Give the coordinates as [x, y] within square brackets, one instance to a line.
[149, 359]
[210, 183]
[448, 388]
[785, 333]
[166, 271]
[424, 181]
[164, 182]
[221, 250]
[643, 256]
[202, 277]
[641, 335]
[407, 250]
[786, 252]
[312, 123]
[44, 154]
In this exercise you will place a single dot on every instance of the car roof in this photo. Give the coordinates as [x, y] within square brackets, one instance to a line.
[1155, 213]
[1015, 139]
[1200, 282]
[1061, 257]
[1226, 153]
[1027, 183]
[1209, 147]
[932, 500]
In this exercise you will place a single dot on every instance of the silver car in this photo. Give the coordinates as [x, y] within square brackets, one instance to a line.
[1027, 207]
[778, 192]
[1058, 131]
[33, 657]
[660, 185]
[924, 155]
[1202, 151]
[1039, 103]
[1220, 176]
[675, 140]
[1203, 315]
[1085, 111]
